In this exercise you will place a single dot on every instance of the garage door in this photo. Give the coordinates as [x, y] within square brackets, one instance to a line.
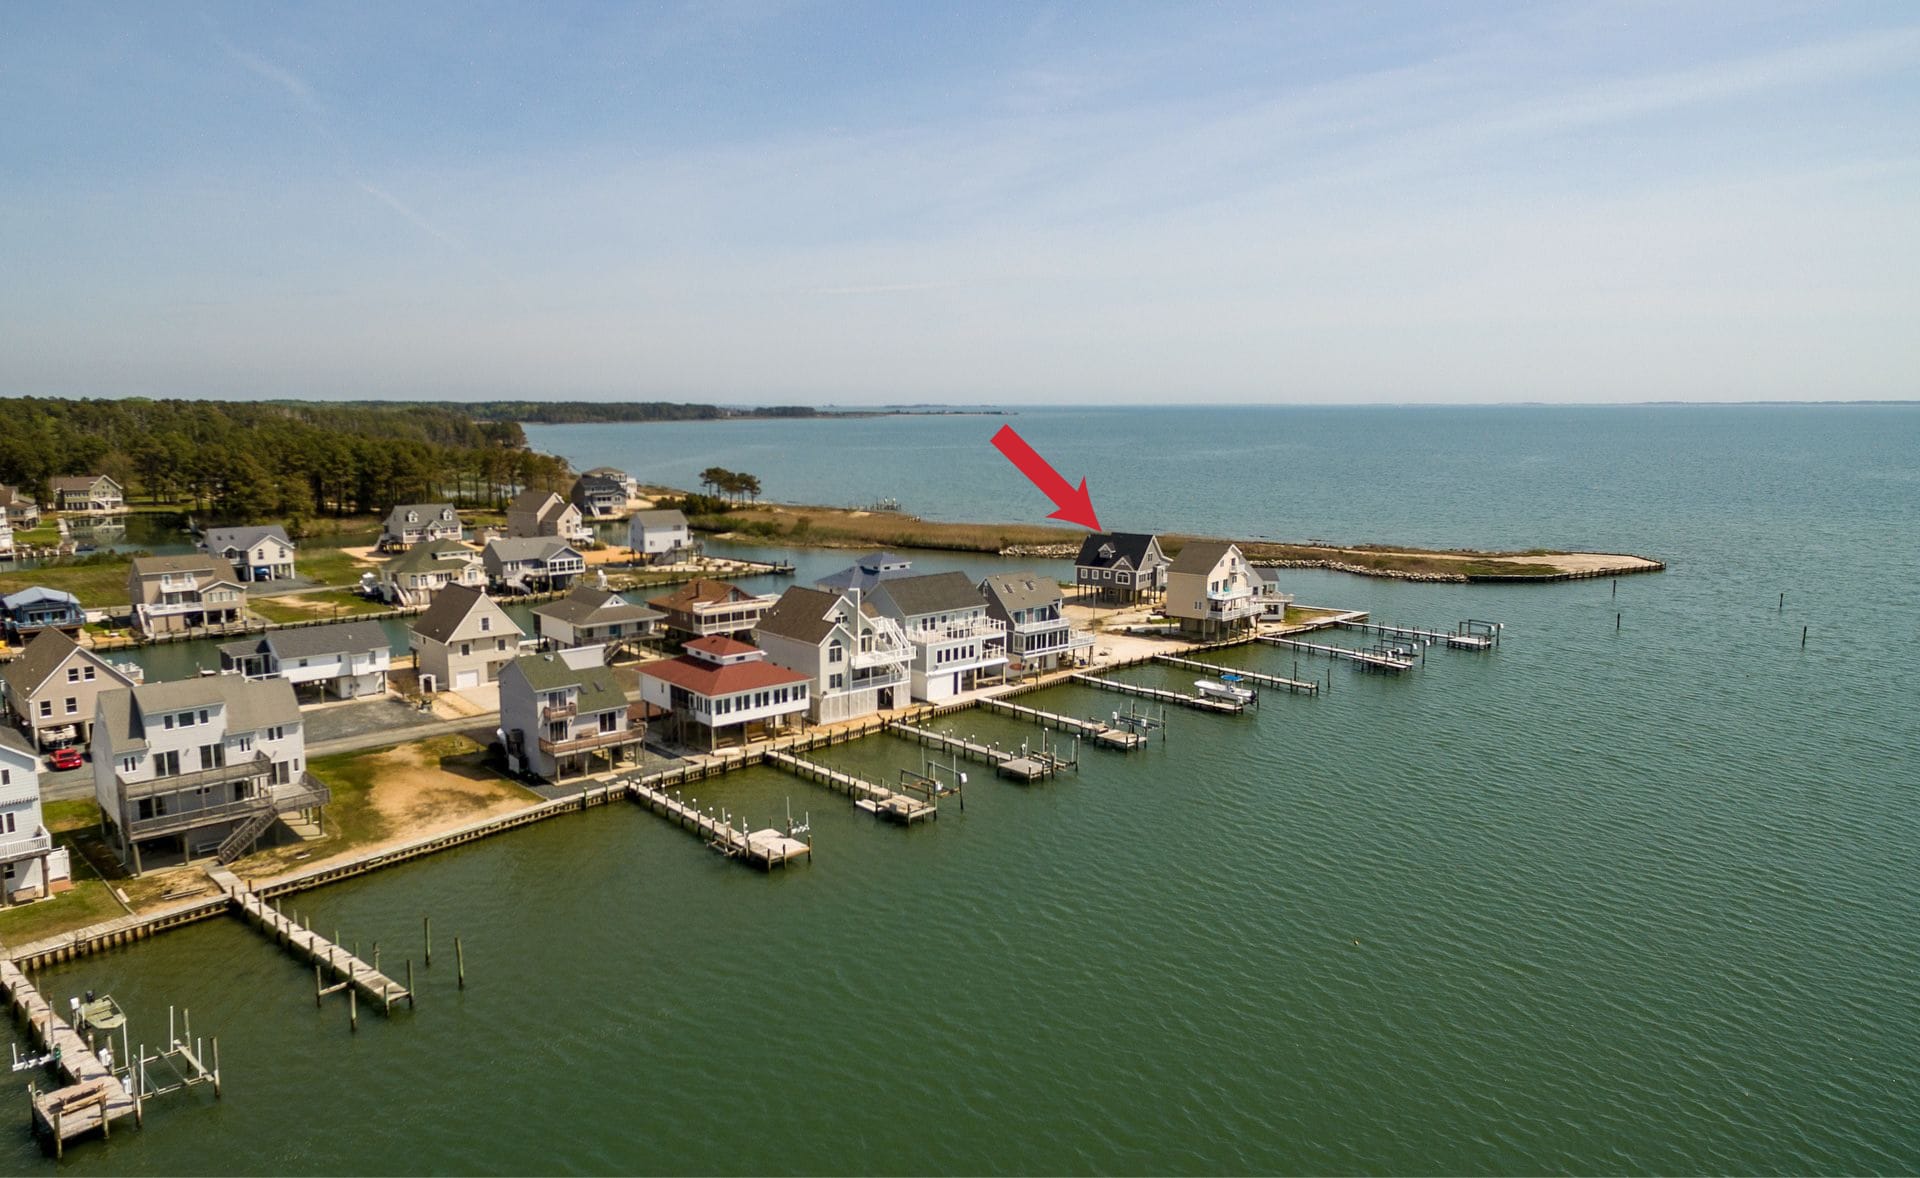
[466, 679]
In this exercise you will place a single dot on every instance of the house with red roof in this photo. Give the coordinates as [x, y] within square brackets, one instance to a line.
[720, 690]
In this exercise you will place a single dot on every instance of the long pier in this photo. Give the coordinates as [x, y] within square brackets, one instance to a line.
[1295, 685]
[93, 1097]
[1104, 735]
[875, 799]
[1197, 702]
[765, 849]
[347, 969]
[1019, 766]
[1367, 659]
[1463, 639]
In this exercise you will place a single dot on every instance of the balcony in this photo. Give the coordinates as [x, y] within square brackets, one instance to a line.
[565, 711]
[1057, 641]
[597, 740]
[174, 823]
[259, 766]
[984, 628]
[1227, 607]
[15, 847]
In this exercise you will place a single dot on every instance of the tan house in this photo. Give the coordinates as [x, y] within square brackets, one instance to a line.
[416, 523]
[463, 640]
[413, 577]
[171, 594]
[51, 688]
[543, 513]
[89, 494]
[562, 713]
[1212, 591]
[703, 608]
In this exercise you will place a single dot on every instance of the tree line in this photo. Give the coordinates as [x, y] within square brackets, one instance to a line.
[570, 412]
[253, 460]
[735, 485]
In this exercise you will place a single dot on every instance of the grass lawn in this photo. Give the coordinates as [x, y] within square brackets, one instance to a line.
[97, 585]
[832, 527]
[329, 566]
[89, 902]
[305, 607]
[63, 817]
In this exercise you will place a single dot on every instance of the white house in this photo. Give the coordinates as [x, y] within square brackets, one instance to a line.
[347, 660]
[413, 577]
[593, 617]
[199, 768]
[659, 537]
[257, 553]
[30, 865]
[856, 658]
[416, 523]
[1033, 609]
[531, 564]
[956, 646]
[562, 711]
[463, 640]
[721, 689]
[1212, 591]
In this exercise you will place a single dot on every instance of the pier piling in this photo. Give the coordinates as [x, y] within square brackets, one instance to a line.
[460, 962]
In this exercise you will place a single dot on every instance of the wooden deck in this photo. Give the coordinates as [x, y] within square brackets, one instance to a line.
[1462, 639]
[1199, 703]
[93, 1097]
[346, 969]
[877, 800]
[1020, 766]
[1104, 735]
[765, 849]
[1260, 677]
[1363, 658]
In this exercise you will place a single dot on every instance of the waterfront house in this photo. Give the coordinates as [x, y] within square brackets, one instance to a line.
[51, 688]
[659, 537]
[346, 660]
[627, 482]
[1033, 609]
[22, 511]
[867, 572]
[413, 577]
[702, 608]
[261, 553]
[31, 867]
[28, 611]
[416, 523]
[1121, 567]
[956, 646]
[175, 593]
[1212, 591]
[200, 768]
[562, 712]
[543, 513]
[598, 497]
[87, 494]
[588, 616]
[855, 657]
[1273, 603]
[463, 640]
[6, 536]
[531, 564]
[721, 690]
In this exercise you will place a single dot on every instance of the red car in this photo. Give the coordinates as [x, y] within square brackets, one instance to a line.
[65, 758]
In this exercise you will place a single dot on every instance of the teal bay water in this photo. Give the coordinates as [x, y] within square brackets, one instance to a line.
[1643, 899]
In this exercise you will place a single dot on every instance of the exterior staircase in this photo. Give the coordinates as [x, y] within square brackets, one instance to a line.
[243, 835]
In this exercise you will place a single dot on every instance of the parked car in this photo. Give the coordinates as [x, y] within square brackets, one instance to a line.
[65, 758]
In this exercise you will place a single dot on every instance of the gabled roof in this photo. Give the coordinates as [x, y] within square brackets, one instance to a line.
[13, 742]
[35, 595]
[48, 651]
[608, 472]
[700, 591]
[1016, 591]
[1199, 556]
[930, 594]
[249, 704]
[502, 549]
[221, 539]
[666, 518]
[154, 566]
[429, 555]
[449, 611]
[587, 606]
[589, 483]
[76, 482]
[804, 615]
[598, 690]
[305, 642]
[428, 512]
[530, 500]
[1129, 546]
[11, 497]
[868, 571]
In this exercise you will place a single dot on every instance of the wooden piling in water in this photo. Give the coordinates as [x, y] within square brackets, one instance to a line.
[460, 962]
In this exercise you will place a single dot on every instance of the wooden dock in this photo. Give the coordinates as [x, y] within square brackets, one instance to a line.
[346, 969]
[1369, 660]
[93, 1097]
[1020, 766]
[1199, 703]
[1102, 734]
[765, 849]
[1464, 638]
[877, 800]
[1265, 680]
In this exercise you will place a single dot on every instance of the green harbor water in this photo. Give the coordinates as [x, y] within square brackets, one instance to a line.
[1638, 892]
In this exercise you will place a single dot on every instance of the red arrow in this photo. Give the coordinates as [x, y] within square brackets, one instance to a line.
[1076, 506]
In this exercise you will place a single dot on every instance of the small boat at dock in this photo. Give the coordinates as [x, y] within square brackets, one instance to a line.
[1226, 687]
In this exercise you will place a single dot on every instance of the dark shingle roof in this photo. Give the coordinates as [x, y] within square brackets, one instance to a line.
[1132, 546]
[307, 642]
[599, 690]
[153, 566]
[221, 539]
[1016, 591]
[42, 658]
[589, 606]
[450, 608]
[804, 615]
[931, 594]
[1199, 556]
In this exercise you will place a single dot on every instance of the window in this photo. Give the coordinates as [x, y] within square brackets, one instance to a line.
[129, 764]
[186, 719]
[6, 823]
[486, 624]
[73, 674]
[73, 705]
[836, 682]
[835, 651]
[46, 709]
[6, 777]
[88, 675]
[166, 721]
[466, 648]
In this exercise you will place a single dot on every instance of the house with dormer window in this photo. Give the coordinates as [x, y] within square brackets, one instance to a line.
[543, 513]
[1212, 591]
[413, 577]
[1122, 568]
[171, 594]
[564, 714]
[856, 657]
[531, 564]
[1039, 637]
[416, 523]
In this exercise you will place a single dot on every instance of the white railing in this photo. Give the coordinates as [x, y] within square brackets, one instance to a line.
[20, 846]
[958, 631]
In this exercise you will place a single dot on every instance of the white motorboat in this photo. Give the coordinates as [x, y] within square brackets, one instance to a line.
[1226, 687]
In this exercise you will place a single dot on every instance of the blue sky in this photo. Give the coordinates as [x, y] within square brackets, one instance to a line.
[825, 202]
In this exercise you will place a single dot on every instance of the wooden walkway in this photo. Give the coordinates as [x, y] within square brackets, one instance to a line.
[877, 800]
[347, 970]
[1104, 735]
[1197, 702]
[1018, 766]
[93, 1097]
[1457, 640]
[1367, 659]
[765, 849]
[1265, 680]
